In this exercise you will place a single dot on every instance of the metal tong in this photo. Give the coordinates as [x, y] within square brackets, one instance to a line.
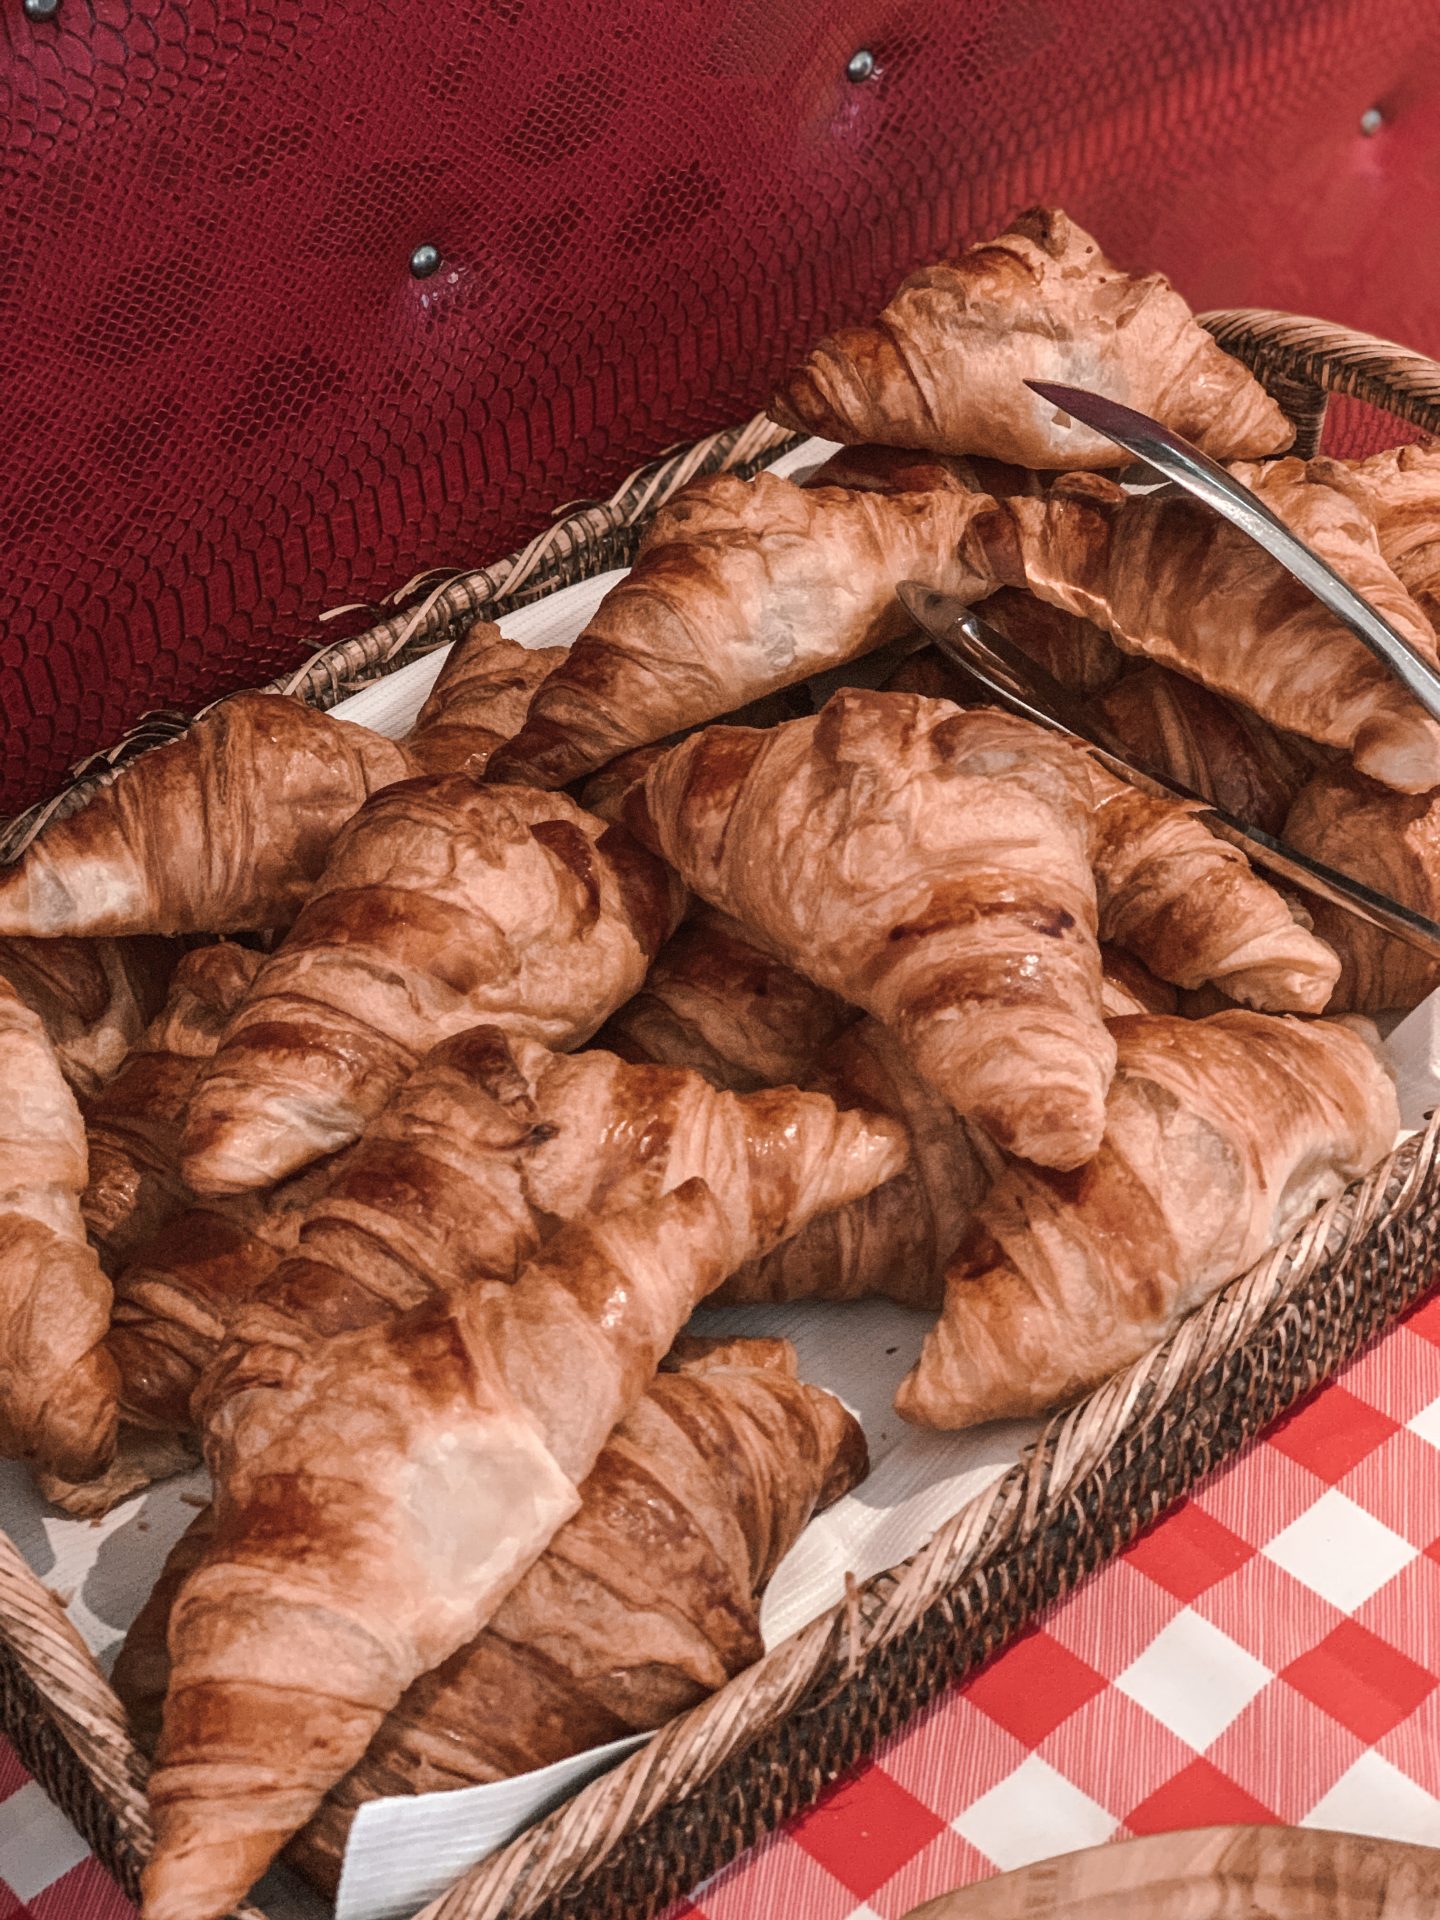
[1023, 687]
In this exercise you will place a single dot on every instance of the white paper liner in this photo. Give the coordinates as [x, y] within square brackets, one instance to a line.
[404, 1851]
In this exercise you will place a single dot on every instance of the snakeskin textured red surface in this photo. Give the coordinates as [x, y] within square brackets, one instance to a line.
[227, 402]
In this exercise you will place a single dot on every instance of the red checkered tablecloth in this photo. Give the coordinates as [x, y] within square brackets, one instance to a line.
[1270, 1652]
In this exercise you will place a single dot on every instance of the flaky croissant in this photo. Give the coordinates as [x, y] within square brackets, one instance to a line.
[716, 1002]
[444, 903]
[377, 1500]
[895, 1240]
[133, 1126]
[931, 866]
[57, 1384]
[1406, 484]
[740, 588]
[1192, 909]
[1170, 580]
[944, 365]
[222, 830]
[493, 1144]
[643, 1603]
[1221, 1136]
[1391, 841]
[479, 700]
[94, 998]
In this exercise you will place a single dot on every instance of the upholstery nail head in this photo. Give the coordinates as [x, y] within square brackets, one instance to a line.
[860, 65]
[424, 261]
[1371, 121]
[41, 9]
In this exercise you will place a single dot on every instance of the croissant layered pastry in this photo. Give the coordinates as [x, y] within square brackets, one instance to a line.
[444, 904]
[715, 1001]
[740, 588]
[134, 1125]
[641, 1605]
[895, 1240]
[222, 830]
[930, 865]
[1170, 580]
[1221, 1135]
[1391, 841]
[943, 367]
[57, 1384]
[376, 1501]
[494, 1144]
[94, 998]
[1405, 482]
[479, 700]
[1190, 907]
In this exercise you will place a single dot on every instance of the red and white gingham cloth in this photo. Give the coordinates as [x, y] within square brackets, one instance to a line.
[1270, 1652]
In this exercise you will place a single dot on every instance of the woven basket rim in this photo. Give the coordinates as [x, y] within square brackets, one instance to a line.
[80, 1745]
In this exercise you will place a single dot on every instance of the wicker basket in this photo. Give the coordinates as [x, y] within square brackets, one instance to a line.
[766, 1746]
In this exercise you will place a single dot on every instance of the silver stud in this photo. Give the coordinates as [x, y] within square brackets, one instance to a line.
[41, 9]
[1371, 121]
[424, 261]
[860, 65]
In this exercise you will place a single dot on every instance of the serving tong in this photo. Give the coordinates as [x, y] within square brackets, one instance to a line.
[1021, 685]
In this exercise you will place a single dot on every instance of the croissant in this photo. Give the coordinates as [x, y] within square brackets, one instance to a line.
[134, 1125]
[1190, 907]
[739, 589]
[1214, 746]
[94, 998]
[1405, 482]
[494, 1144]
[224, 829]
[943, 367]
[722, 1462]
[378, 1498]
[1391, 841]
[444, 904]
[716, 1002]
[479, 700]
[1170, 580]
[140, 1459]
[1221, 1136]
[57, 1385]
[896, 1239]
[930, 865]
[1127, 986]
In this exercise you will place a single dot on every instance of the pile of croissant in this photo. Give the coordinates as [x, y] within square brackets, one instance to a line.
[375, 1114]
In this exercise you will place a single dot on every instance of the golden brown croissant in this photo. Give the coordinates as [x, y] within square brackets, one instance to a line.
[933, 867]
[715, 1001]
[1221, 1136]
[444, 903]
[1190, 906]
[721, 1463]
[175, 1299]
[1216, 747]
[57, 1384]
[896, 1239]
[1391, 841]
[133, 1126]
[740, 588]
[377, 1500]
[479, 700]
[94, 998]
[1406, 484]
[944, 365]
[1170, 580]
[222, 830]
[493, 1145]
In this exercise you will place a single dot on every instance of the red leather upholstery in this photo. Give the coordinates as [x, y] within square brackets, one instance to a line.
[227, 404]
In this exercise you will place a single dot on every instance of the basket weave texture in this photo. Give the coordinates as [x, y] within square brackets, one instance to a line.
[714, 1780]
